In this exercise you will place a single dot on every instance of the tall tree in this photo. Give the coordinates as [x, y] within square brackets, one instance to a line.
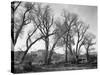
[25, 19]
[64, 33]
[70, 20]
[13, 10]
[59, 33]
[43, 19]
[88, 42]
[81, 29]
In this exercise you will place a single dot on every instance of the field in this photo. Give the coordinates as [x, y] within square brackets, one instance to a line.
[30, 65]
[53, 67]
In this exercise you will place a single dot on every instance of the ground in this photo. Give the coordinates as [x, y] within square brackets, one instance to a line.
[22, 68]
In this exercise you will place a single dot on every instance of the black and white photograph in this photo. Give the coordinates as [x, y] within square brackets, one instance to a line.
[48, 37]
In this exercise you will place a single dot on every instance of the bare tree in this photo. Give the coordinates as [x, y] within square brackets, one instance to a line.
[88, 42]
[13, 9]
[64, 32]
[26, 18]
[28, 46]
[59, 33]
[70, 21]
[81, 29]
[71, 43]
[30, 43]
[15, 28]
[43, 21]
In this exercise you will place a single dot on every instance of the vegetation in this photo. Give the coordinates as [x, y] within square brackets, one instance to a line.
[67, 31]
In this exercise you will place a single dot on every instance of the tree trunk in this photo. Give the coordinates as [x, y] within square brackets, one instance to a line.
[49, 58]
[46, 48]
[12, 30]
[51, 51]
[79, 49]
[70, 49]
[87, 54]
[66, 60]
[77, 52]
[24, 55]
[66, 47]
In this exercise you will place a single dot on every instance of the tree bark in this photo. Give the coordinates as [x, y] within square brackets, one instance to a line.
[70, 49]
[50, 55]
[46, 48]
[77, 50]
[87, 54]
[66, 47]
[66, 53]
[77, 53]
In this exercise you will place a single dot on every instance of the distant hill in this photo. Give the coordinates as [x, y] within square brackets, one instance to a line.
[36, 56]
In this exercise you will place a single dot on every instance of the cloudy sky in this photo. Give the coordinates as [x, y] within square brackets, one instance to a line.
[88, 14]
